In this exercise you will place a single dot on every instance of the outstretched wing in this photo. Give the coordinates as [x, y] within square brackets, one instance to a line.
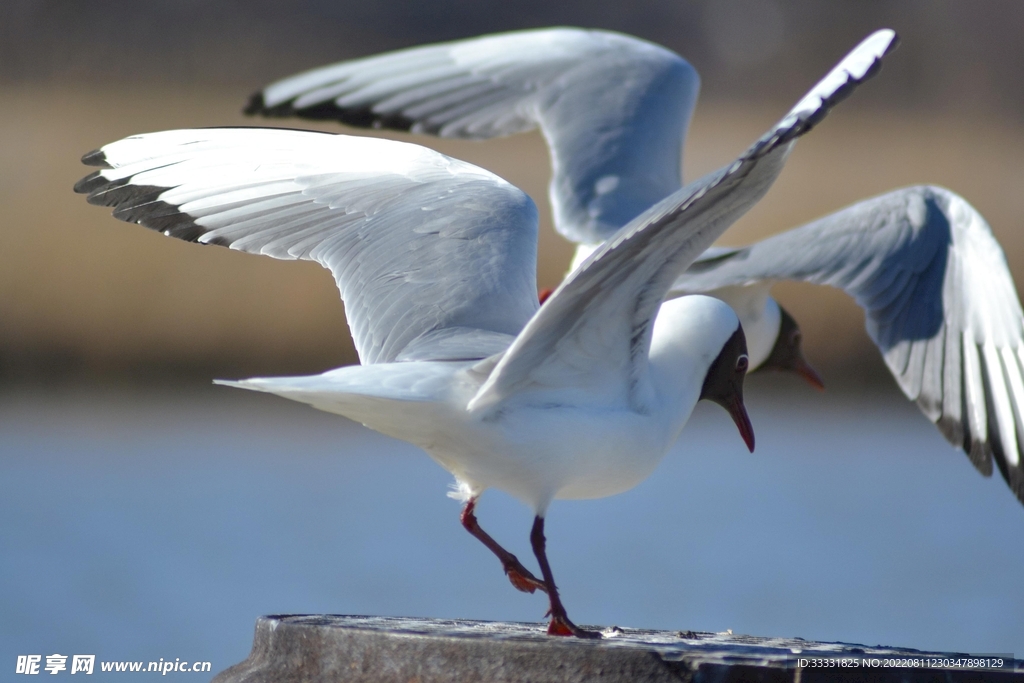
[940, 304]
[594, 331]
[435, 258]
[613, 108]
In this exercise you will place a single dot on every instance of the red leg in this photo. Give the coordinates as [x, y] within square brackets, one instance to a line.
[520, 576]
[560, 624]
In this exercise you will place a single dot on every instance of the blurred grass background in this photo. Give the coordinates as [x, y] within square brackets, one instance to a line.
[84, 297]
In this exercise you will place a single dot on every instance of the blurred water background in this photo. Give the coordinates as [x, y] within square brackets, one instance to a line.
[144, 514]
[139, 526]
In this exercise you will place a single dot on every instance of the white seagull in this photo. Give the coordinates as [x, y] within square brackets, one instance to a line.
[435, 260]
[614, 109]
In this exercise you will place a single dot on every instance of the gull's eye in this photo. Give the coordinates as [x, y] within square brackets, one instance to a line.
[741, 363]
[794, 338]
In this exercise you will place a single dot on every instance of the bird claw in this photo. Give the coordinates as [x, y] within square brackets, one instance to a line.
[561, 626]
[523, 580]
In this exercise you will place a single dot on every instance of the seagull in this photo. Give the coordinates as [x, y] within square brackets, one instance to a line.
[435, 260]
[923, 263]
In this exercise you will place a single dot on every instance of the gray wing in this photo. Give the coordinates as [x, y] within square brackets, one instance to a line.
[614, 110]
[434, 258]
[594, 331]
[940, 304]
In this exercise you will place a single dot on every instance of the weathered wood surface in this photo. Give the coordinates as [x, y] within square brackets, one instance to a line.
[325, 648]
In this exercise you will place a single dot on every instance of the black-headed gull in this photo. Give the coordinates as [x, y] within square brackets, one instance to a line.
[435, 260]
[615, 110]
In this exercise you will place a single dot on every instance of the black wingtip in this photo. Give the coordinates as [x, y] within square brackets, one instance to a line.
[366, 117]
[89, 183]
[1013, 475]
[357, 117]
[256, 104]
[980, 454]
[97, 157]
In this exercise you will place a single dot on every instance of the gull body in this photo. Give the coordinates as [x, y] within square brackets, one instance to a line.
[560, 443]
[615, 110]
[435, 260]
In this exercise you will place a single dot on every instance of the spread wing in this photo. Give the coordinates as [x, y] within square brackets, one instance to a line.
[939, 300]
[594, 331]
[613, 108]
[434, 258]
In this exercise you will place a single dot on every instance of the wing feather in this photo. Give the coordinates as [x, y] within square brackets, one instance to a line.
[613, 108]
[939, 300]
[596, 327]
[418, 243]
[999, 392]
[929, 398]
[976, 438]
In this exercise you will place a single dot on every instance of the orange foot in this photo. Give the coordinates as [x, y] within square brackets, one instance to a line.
[561, 626]
[523, 580]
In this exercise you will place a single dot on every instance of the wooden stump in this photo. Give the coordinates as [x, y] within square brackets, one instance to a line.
[323, 648]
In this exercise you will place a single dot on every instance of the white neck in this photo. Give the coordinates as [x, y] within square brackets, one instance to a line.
[688, 335]
[759, 315]
[582, 252]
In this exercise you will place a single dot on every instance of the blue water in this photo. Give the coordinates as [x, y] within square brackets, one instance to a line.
[141, 526]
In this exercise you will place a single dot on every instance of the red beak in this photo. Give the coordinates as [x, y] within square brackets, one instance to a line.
[738, 412]
[804, 369]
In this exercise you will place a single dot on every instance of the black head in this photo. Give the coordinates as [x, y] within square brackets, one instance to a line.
[724, 383]
[787, 354]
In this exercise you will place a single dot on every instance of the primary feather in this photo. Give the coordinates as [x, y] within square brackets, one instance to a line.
[939, 301]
